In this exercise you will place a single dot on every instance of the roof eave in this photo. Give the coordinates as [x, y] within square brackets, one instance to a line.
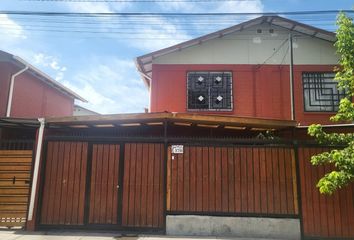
[173, 117]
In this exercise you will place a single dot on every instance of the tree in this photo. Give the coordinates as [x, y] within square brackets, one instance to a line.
[342, 158]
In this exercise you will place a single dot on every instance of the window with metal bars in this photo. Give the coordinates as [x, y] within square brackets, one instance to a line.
[209, 91]
[320, 92]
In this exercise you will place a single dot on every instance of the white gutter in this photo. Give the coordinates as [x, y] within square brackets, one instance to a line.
[11, 91]
[36, 168]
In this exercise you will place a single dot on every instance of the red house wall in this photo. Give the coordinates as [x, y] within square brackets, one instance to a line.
[5, 75]
[258, 91]
[33, 98]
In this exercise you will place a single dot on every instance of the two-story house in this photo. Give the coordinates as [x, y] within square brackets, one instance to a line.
[268, 67]
[207, 166]
[27, 92]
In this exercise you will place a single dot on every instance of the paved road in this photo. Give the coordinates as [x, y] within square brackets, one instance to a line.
[58, 235]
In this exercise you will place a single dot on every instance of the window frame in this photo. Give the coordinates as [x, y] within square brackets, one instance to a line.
[211, 109]
[303, 92]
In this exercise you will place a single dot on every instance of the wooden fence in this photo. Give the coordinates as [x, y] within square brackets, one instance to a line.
[122, 185]
[324, 216]
[15, 171]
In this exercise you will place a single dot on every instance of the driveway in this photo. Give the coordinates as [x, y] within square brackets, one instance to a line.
[65, 235]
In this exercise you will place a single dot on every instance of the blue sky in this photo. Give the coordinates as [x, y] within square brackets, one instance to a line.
[99, 65]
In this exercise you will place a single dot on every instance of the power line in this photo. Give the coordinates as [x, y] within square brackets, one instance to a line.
[140, 1]
[166, 14]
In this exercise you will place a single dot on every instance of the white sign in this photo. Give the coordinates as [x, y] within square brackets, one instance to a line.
[177, 148]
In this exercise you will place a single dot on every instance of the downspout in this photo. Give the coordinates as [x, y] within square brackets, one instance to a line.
[11, 90]
[36, 168]
[291, 71]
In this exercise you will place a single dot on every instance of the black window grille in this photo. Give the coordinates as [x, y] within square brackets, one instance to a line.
[209, 91]
[320, 92]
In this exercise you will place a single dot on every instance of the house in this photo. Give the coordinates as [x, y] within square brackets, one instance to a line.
[81, 111]
[27, 92]
[248, 70]
[220, 152]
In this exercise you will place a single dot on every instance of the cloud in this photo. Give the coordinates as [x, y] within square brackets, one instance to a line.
[88, 7]
[11, 32]
[224, 6]
[110, 85]
[178, 5]
[50, 62]
[240, 6]
[167, 32]
[97, 7]
[158, 32]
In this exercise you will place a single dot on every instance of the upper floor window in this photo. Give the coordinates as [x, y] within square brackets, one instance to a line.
[320, 92]
[209, 91]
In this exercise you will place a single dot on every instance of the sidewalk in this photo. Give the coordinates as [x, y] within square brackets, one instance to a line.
[66, 235]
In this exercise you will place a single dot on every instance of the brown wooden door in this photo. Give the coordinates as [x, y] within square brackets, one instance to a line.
[104, 184]
[143, 186]
[64, 184]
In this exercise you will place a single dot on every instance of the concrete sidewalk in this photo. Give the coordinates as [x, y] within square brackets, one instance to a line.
[71, 235]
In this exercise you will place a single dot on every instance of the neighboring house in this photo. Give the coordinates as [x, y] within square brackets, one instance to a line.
[81, 111]
[244, 70]
[26, 92]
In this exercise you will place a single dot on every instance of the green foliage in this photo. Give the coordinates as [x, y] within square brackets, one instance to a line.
[343, 158]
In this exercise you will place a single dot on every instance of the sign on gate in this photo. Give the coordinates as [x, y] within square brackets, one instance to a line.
[177, 148]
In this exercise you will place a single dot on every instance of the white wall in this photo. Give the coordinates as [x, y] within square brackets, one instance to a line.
[250, 47]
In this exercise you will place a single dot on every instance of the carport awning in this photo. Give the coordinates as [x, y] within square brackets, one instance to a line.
[182, 119]
[19, 122]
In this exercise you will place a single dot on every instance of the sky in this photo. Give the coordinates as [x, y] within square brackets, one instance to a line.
[94, 56]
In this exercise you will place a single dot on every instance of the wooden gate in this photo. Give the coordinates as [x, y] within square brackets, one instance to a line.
[104, 184]
[83, 186]
[143, 198]
[15, 171]
[63, 198]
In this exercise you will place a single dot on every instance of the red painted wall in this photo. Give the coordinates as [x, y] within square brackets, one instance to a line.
[258, 91]
[32, 98]
[6, 70]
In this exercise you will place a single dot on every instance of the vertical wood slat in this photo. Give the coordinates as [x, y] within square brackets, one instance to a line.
[47, 213]
[168, 184]
[143, 191]
[263, 177]
[104, 182]
[126, 180]
[323, 215]
[199, 180]
[237, 161]
[232, 180]
[64, 186]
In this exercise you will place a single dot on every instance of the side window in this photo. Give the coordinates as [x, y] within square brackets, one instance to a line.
[209, 91]
[320, 92]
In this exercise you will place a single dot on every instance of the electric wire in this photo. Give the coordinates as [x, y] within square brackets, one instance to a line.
[167, 14]
[168, 26]
[139, 1]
